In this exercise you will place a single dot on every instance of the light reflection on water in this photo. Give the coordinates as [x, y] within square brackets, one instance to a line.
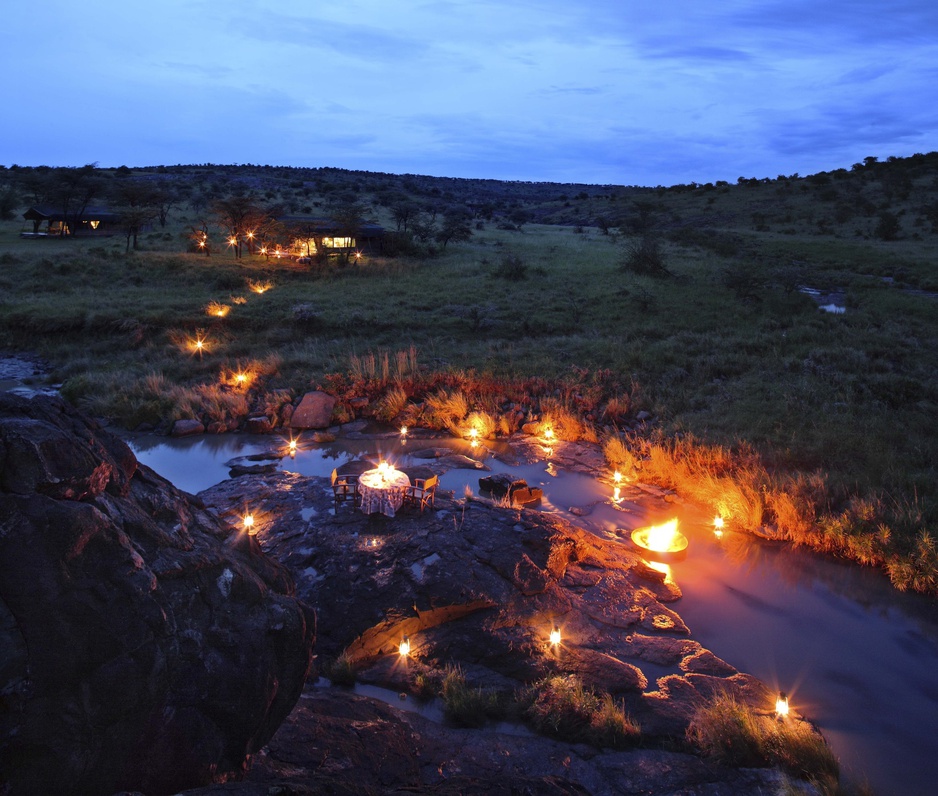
[857, 657]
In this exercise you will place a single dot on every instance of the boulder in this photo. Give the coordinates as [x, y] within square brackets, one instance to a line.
[147, 645]
[259, 424]
[186, 428]
[313, 411]
[518, 492]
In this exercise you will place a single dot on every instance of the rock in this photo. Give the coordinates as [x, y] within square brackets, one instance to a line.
[46, 449]
[499, 484]
[186, 428]
[259, 424]
[146, 644]
[525, 495]
[517, 491]
[314, 411]
[323, 437]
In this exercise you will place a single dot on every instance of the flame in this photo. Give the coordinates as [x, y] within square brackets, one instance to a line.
[617, 477]
[555, 636]
[663, 568]
[661, 538]
[549, 434]
[404, 648]
[248, 521]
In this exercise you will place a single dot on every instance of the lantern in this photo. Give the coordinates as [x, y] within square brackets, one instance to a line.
[555, 636]
[781, 705]
[249, 526]
[404, 648]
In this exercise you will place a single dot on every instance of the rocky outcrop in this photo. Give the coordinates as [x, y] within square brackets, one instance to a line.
[147, 645]
[479, 585]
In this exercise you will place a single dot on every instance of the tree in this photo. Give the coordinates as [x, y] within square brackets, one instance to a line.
[72, 190]
[238, 214]
[349, 217]
[455, 228]
[888, 227]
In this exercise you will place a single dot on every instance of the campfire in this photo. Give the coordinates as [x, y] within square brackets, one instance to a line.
[663, 538]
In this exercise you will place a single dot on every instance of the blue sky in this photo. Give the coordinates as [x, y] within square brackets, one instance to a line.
[597, 91]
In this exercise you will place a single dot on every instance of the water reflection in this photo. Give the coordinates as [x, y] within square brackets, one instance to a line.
[856, 656]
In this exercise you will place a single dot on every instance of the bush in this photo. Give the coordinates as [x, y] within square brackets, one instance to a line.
[340, 671]
[646, 258]
[467, 706]
[735, 734]
[512, 268]
[562, 707]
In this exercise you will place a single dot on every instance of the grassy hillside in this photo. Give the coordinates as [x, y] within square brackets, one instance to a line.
[685, 303]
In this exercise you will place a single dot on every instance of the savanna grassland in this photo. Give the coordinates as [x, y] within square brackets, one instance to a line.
[599, 306]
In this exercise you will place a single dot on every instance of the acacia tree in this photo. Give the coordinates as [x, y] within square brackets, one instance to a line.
[136, 201]
[237, 214]
[455, 228]
[349, 217]
[72, 190]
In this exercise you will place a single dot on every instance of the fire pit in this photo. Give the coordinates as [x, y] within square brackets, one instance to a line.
[664, 539]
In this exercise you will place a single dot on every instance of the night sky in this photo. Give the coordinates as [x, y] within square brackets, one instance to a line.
[596, 91]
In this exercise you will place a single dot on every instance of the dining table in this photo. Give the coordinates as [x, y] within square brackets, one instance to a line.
[382, 490]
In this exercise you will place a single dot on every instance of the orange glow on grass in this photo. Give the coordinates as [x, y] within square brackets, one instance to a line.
[217, 310]
[259, 287]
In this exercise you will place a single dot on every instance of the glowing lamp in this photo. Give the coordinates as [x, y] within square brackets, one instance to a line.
[404, 648]
[241, 378]
[718, 527]
[555, 636]
[549, 434]
[473, 436]
[403, 431]
[292, 447]
[781, 705]
[249, 526]
[617, 477]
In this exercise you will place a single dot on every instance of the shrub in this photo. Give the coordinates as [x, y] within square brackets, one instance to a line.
[561, 706]
[340, 671]
[735, 734]
[467, 706]
[646, 258]
[391, 404]
[446, 409]
[512, 268]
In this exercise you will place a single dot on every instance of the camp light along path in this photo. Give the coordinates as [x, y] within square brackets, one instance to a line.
[857, 656]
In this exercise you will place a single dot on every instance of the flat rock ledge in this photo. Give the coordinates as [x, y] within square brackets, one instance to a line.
[478, 586]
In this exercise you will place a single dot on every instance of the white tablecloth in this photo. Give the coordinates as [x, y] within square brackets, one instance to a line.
[384, 494]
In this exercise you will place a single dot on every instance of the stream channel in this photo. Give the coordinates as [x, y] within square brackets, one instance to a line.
[857, 657]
